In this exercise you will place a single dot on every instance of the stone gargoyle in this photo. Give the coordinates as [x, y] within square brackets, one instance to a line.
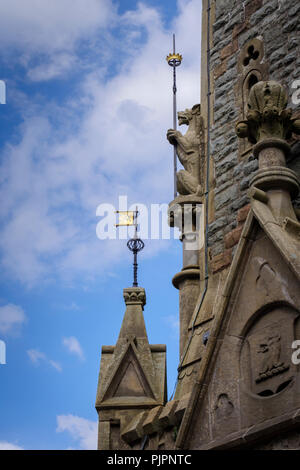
[188, 151]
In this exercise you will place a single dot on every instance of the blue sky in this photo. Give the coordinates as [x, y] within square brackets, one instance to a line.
[87, 108]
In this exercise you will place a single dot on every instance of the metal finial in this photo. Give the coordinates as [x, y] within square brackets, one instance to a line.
[174, 60]
[135, 245]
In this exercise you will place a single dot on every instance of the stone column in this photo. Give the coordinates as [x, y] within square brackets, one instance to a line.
[185, 214]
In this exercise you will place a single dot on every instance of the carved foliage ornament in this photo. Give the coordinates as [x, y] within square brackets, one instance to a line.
[134, 296]
[268, 115]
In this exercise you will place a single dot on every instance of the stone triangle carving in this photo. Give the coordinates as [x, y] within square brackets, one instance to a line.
[129, 379]
[130, 384]
[248, 382]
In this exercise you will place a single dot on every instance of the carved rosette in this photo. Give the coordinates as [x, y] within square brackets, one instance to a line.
[268, 115]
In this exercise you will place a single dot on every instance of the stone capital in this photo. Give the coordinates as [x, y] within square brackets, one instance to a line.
[268, 116]
[134, 296]
[183, 212]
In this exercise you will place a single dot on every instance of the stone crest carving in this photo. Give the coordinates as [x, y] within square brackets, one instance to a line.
[271, 363]
[267, 351]
[188, 150]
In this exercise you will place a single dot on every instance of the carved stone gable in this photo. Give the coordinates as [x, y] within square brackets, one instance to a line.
[129, 379]
[251, 381]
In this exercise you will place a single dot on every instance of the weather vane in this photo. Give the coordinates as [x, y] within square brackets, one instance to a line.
[174, 60]
[135, 244]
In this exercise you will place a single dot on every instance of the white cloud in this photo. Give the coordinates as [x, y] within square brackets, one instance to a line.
[56, 365]
[108, 140]
[45, 36]
[73, 346]
[57, 67]
[42, 25]
[81, 430]
[72, 306]
[9, 446]
[11, 318]
[37, 357]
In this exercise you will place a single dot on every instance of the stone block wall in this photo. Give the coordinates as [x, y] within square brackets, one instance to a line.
[276, 23]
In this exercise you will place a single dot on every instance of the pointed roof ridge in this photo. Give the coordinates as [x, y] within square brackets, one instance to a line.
[133, 323]
[132, 346]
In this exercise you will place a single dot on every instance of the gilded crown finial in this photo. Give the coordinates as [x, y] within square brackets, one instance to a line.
[174, 59]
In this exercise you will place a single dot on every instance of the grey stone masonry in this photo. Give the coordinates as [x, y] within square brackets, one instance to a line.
[276, 23]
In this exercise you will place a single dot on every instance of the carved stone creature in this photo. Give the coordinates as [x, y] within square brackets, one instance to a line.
[271, 363]
[268, 116]
[271, 350]
[188, 151]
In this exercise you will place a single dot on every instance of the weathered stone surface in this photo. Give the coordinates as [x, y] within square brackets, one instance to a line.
[264, 12]
[167, 416]
[150, 424]
[242, 213]
[251, 7]
[181, 406]
[225, 196]
[134, 430]
[233, 237]
[250, 167]
[221, 261]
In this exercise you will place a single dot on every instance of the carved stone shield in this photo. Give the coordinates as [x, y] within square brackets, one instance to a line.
[270, 356]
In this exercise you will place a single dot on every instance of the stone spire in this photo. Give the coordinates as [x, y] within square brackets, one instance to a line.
[132, 374]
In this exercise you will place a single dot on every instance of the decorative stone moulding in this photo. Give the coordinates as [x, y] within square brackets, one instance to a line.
[268, 116]
[134, 295]
[277, 176]
[180, 207]
[185, 213]
[190, 272]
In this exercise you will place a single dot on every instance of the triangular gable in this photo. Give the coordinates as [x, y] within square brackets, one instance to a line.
[129, 379]
[246, 368]
[126, 381]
